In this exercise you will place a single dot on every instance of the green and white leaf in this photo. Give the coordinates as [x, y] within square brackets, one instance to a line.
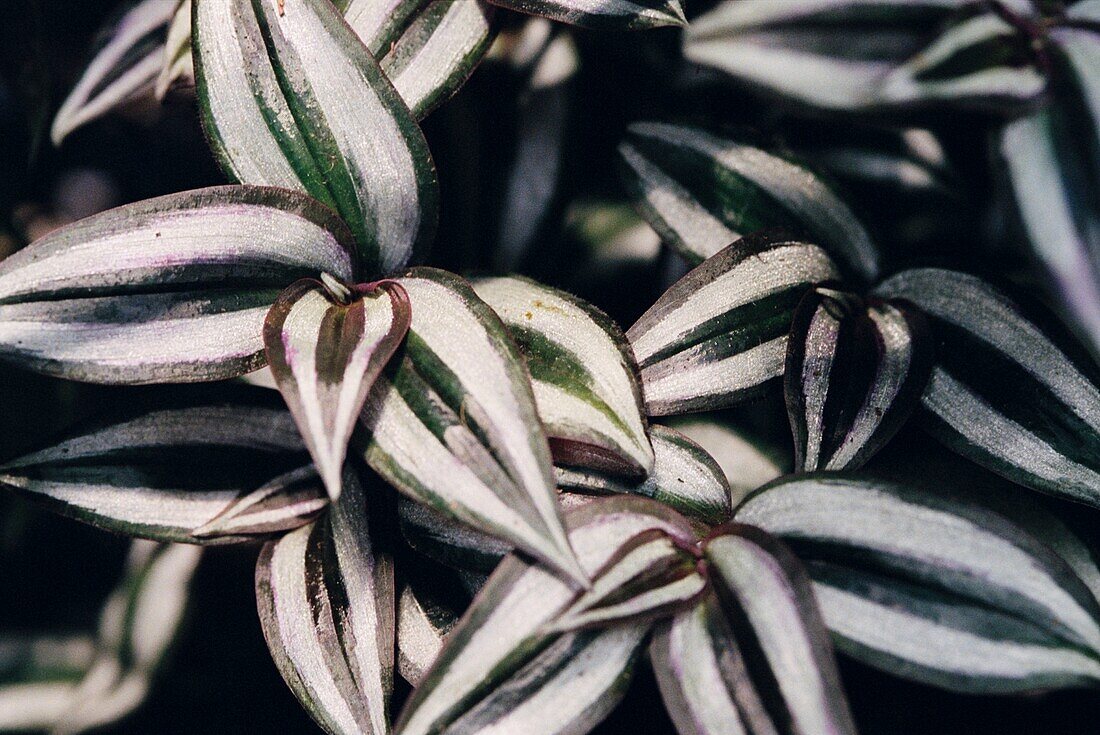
[286, 93]
[289, 501]
[178, 67]
[1002, 394]
[618, 15]
[326, 601]
[171, 289]
[123, 69]
[684, 477]
[39, 676]
[172, 473]
[720, 332]
[583, 374]
[454, 424]
[326, 345]
[935, 589]
[440, 537]
[497, 661]
[423, 623]
[701, 192]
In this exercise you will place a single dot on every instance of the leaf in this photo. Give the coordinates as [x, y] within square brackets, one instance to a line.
[933, 589]
[720, 332]
[438, 51]
[178, 67]
[583, 374]
[619, 15]
[326, 345]
[38, 678]
[438, 536]
[755, 657]
[1001, 393]
[287, 502]
[423, 623]
[979, 62]
[123, 68]
[1052, 160]
[854, 374]
[172, 289]
[684, 477]
[286, 93]
[166, 474]
[454, 426]
[498, 659]
[701, 192]
[326, 601]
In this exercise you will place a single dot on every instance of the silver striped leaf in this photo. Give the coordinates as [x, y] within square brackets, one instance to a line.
[981, 61]
[326, 344]
[701, 192]
[123, 69]
[717, 335]
[583, 374]
[287, 502]
[438, 51]
[1002, 393]
[454, 425]
[171, 473]
[935, 589]
[755, 657]
[618, 15]
[1052, 165]
[854, 373]
[325, 595]
[498, 663]
[441, 538]
[684, 477]
[172, 289]
[286, 91]
[423, 623]
[178, 67]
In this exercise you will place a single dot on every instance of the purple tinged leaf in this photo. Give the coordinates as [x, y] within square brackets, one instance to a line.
[325, 350]
[287, 502]
[618, 15]
[423, 623]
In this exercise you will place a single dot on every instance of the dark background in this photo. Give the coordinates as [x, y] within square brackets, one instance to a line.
[54, 572]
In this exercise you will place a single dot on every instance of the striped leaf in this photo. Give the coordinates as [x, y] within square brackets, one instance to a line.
[619, 15]
[423, 623]
[454, 424]
[124, 67]
[286, 92]
[1052, 159]
[720, 332]
[745, 458]
[38, 677]
[326, 601]
[684, 477]
[755, 657]
[931, 588]
[701, 192]
[438, 52]
[171, 473]
[1001, 393]
[981, 61]
[178, 67]
[326, 345]
[854, 374]
[830, 54]
[172, 289]
[498, 664]
[439, 537]
[287, 502]
[583, 374]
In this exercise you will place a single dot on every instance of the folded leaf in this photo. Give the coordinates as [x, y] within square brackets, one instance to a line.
[172, 289]
[168, 473]
[123, 68]
[934, 589]
[684, 477]
[326, 345]
[285, 503]
[720, 332]
[497, 661]
[583, 374]
[1053, 166]
[454, 424]
[422, 627]
[755, 657]
[178, 67]
[1001, 393]
[618, 15]
[326, 601]
[854, 374]
[287, 91]
[701, 192]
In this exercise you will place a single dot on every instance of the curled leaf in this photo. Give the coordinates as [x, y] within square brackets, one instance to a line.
[423, 623]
